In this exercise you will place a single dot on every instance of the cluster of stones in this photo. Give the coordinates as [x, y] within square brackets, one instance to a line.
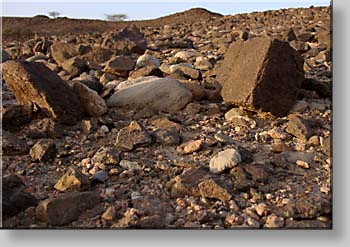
[220, 124]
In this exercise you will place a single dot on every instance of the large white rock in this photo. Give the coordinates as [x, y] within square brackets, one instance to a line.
[186, 55]
[226, 159]
[146, 60]
[175, 67]
[161, 94]
[128, 83]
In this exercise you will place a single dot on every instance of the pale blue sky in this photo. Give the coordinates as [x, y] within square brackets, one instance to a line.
[142, 10]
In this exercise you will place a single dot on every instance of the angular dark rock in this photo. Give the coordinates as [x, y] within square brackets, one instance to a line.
[61, 51]
[167, 137]
[43, 128]
[146, 71]
[246, 155]
[299, 127]
[92, 84]
[132, 136]
[148, 205]
[241, 179]
[187, 182]
[100, 176]
[128, 40]
[97, 55]
[74, 66]
[15, 116]
[200, 182]
[212, 91]
[306, 37]
[120, 66]
[66, 208]
[324, 90]
[309, 207]
[4, 56]
[14, 199]
[261, 73]
[210, 189]
[244, 35]
[150, 222]
[12, 145]
[289, 35]
[37, 84]
[258, 172]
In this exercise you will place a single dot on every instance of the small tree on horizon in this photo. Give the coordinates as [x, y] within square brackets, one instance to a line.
[54, 14]
[116, 17]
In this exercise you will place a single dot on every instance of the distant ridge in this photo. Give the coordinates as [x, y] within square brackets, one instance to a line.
[25, 27]
[191, 15]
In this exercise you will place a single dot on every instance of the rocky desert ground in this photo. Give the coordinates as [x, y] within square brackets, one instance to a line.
[189, 121]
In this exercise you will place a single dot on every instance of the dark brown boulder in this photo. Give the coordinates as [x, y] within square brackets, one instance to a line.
[34, 83]
[128, 40]
[261, 73]
[15, 116]
[323, 89]
[97, 55]
[132, 136]
[74, 66]
[12, 145]
[14, 199]
[120, 66]
[66, 207]
[62, 51]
